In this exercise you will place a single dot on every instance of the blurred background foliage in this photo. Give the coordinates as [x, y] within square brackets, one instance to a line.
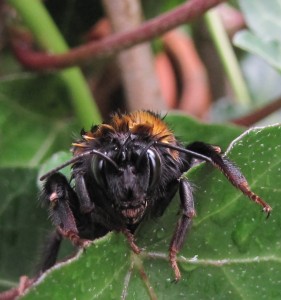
[224, 66]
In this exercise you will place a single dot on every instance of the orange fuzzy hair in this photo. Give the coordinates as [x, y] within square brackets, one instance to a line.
[139, 122]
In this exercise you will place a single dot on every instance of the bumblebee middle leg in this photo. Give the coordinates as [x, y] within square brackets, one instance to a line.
[184, 223]
[50, 251]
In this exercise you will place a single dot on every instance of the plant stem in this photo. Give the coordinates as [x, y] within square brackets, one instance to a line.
[228, 57]
[259, 114]
[37, 18]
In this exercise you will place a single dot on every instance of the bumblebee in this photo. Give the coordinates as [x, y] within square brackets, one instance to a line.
[123, 172]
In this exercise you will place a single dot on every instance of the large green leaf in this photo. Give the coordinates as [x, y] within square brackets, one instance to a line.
[232, 252]
[34, 122]
[34, 119]
[23, 224]
[263, 38]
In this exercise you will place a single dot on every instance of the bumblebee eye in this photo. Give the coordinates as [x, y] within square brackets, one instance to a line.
[98, 170]
[155, 167]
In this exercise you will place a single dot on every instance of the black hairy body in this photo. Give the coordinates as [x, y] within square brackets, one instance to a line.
[123, 172]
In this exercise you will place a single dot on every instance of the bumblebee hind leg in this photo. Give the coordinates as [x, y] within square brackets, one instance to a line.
[50, 251]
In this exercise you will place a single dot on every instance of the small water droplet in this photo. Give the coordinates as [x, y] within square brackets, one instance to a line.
[160, 233]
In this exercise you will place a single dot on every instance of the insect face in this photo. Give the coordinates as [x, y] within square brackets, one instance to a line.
[130, 188]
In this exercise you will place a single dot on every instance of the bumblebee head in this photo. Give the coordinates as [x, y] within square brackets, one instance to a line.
[130, 186]
[129, 159]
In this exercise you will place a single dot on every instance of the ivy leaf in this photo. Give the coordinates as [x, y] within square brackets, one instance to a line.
[34, 121]
[189, 130]
[23, 224]
[231, 252]
[263, 38]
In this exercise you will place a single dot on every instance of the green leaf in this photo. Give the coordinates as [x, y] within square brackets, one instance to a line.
[103, 264]
[34, 119]
[264, 39]
[189, 130]
[232, 251]
[269, 50]
[263, 18]
[23, 224]
[54, 161]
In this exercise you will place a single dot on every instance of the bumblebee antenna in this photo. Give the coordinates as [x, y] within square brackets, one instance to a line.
[194, 154]
[76, 158]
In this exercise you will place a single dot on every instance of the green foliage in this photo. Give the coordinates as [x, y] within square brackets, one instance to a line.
[189, 130]
[33, 112]
[35, 122]
[232, 252]
[230, 243]
[263, 38]
[23, 224]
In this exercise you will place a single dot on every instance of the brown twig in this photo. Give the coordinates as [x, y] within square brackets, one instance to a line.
[259, 114]
[18, 291]
[114, 43]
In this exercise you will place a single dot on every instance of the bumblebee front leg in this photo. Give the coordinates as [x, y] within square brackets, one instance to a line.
[232, 173]
[184, 223]
[59, 196]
